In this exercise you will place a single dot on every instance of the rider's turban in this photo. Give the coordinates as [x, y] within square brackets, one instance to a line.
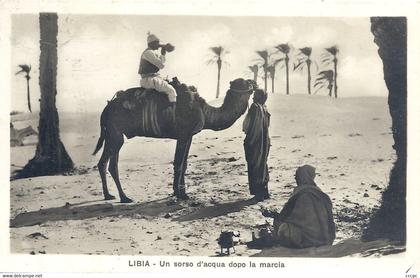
[151, 38]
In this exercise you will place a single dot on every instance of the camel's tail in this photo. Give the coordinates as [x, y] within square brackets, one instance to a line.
[103, 129]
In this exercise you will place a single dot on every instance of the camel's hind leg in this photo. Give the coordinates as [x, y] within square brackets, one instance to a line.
[113, 169]
[103, 161]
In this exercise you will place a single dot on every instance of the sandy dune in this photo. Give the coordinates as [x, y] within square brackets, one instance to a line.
[349, 141]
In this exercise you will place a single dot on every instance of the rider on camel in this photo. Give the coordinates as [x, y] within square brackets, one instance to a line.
[150, 64]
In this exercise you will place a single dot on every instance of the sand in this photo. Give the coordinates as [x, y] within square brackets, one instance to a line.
[348, 140]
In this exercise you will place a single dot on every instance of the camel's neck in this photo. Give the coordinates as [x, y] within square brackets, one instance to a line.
[223, 117]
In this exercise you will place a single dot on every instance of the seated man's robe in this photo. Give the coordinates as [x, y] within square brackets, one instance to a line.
[306, 220]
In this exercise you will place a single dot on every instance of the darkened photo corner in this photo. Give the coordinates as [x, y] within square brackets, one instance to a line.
[270, 137]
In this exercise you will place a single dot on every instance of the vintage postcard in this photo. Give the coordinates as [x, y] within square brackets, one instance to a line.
[183, 137]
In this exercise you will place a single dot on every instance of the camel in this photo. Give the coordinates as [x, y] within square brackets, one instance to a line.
[140, 112]
[17, 135]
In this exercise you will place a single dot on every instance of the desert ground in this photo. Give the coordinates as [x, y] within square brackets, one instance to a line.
[348, 140]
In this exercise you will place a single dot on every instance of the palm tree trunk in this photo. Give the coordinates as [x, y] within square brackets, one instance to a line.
[255, 76]
[50, 157]
[29, 98]
[308, 63]
[335, 77]
[330, 86]
[219, 67]
[287, 74]
[265, 77]
[272, 83]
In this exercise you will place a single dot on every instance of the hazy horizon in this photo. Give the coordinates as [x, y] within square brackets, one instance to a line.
[99, 54]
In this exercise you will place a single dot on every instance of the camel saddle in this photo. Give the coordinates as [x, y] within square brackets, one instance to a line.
[187, 115]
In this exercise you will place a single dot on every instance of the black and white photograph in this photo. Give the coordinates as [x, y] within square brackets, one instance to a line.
[207, 135]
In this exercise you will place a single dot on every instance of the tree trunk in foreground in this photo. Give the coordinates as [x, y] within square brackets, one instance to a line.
[51, 157]
[391, 37]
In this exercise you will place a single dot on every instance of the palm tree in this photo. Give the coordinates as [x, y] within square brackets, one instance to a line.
[254, 70]
[271, 69]
[304, 57]
[325, 79]
[331, 58]
[218, 53]
[285, 49]
[264, 56]
[26, 69]
[50, 156]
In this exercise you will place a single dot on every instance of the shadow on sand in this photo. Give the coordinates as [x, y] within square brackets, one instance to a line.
[85, 210]
[216, 210]
[82, 211]
[344, 248]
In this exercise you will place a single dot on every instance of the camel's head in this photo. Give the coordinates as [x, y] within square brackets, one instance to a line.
[242, 87]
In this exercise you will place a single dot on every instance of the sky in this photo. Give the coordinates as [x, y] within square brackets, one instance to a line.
[99, 54]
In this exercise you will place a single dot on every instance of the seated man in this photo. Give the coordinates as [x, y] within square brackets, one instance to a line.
[306, 220]
[150, 64]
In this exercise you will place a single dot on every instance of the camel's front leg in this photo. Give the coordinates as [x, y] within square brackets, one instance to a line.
[180, 165]
[185, 165]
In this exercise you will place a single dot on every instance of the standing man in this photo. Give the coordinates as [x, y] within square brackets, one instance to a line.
[150, 64]
[257, 145]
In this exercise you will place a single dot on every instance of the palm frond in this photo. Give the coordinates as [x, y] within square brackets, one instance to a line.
[284, 48]
[24, 68]
[325, 76]
[263, 54]
[316, 65]
[299, 65]
[211, 61]
[318, 89]
[307, 51]
[328, 59]
[301, 57]
[275, 63]
[253, 68]
[217, 50]
[271, 69]
[320, 82]
[282, 65]
[333, 50]
[262, 66]
[325, 54]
